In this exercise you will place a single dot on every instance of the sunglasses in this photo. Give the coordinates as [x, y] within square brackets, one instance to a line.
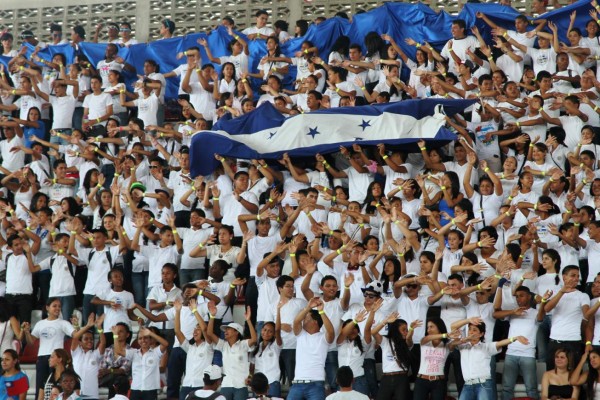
[371, 296]
[153, 166]
[412, 286]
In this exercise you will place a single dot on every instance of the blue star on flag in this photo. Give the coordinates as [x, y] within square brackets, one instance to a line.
[313, 132]
[365, 124]
[271, 134]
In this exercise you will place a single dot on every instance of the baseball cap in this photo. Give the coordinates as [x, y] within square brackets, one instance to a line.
[233, 325]
[214, 372]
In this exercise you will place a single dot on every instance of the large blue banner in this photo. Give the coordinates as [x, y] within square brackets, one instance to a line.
[400, 20]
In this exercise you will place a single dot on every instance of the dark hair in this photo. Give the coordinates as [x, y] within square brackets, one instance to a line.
[385, 280]
[282, 280]
[341, 45]
[15, 356]
[259, 383]
[454, 182]
[592, 377]
[481, 328]
[281, 24]
[303, 25]
[441, 326]
[357, 340]
[369, 208]
[344, 376]
[317, 317]
[260, 340]
[398, 344]
[65, 357]
[374, 44]
[78, 29]
[170, 25]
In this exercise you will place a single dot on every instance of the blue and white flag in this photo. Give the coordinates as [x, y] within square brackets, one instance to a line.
[265, 133]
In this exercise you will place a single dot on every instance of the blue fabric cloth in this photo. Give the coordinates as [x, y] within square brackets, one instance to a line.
[30, 131]
[400, 20]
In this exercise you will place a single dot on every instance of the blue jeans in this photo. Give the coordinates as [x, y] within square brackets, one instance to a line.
[274, 389]
[190, 275]
[528, 368]
[185, 390]
[67, 305]
[370, 367]
[479, 391]
[331, 367]
[543, 336]
[360, 385]
[89, 308]
[176, 368]
[288, 356]
[307, 391]
[140, 287]
[234, 394]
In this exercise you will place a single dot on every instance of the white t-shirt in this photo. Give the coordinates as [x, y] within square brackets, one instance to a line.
[63, 108]
[113, 316]
[192, 238]
[459, 47]
[288, 313]
[12, 160]
[267, 362]
[97, 105]
[523, 325]
[567, 316]
[98, 268]
[240, 62]
[158, 257]
[51, 334]
[62, 282]
[311, 353]
[433, 359]
[351, 395]
[104, 68]
[198, 358]
[475, 360]
[18, 275]
[145, 371]
[148, 108]
[388, 358]
[87, 364]
[236, 362]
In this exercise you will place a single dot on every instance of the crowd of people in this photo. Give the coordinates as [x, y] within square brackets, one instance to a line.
[455, 256]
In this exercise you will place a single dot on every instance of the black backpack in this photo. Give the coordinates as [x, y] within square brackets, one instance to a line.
[108, 257]
[192, 396]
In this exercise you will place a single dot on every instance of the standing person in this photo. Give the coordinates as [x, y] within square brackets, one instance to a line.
[260, 387]
[145, 361]
[264, 355]
[524, 321]
[13, 382]
[9, 327]
[475, 358]
[51, 333]
[236, 362]
[97, 107]
[569, 305]
[352, 348]
[68, 383]
[260, 30]
[199, 352]
[431, 380]
[86, 359]
[311, 351]
[395, 357]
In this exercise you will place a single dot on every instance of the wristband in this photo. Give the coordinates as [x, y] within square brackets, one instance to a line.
[337, 90]
[28, 229]
[410, 329]
[54, 181]
[98, 120]
[363, 88]
[115, 336]
[505, 34]
[73, 232]
[385, 157]
[443, 187]
[258, 217]
[490, 58]
[321, 312]
[201, 245]
[400, 254]
[200, 292]
[576, 224]
[236, 37]
[442, 291]
[124, 233]
[521, 256]
[100, 330]
[98, 186]
[450, 49]
[595, 108]
[479, 244]
[512, 339]
[479, 286]
[417, 45]
[334, 198]
[211, 316]
[231, 286]
[215, 199]
[194, 310]
[122, 91]
[244, 80]
[21, 68]
[518, 124]
[535, 207]
[355, 321]
[544, 300]
[167, 303]
[174, 231]
[588, 343]
[453, 221]
[444, 336]
[338, 251]
[53, 233]
[486, 169]
[292, 254]
[361, 225]
[423, 148]
[510, 198]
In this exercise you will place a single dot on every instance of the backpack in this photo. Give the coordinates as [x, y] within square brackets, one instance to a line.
[108, 257]
[192, 396]
[69, 265]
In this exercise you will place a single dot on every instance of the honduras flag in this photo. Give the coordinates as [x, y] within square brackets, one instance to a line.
[266, 133]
